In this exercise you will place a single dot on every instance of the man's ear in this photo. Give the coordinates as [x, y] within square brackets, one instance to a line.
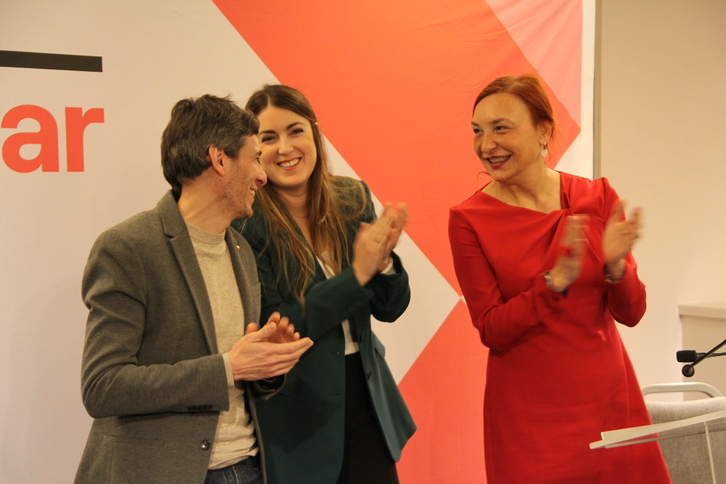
[217, 158]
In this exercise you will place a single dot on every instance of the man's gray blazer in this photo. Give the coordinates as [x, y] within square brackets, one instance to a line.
[152, 377]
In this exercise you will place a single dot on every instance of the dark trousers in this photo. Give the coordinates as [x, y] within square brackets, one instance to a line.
[366, 459]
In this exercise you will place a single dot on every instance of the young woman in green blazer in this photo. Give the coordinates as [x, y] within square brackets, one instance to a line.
[328, 264]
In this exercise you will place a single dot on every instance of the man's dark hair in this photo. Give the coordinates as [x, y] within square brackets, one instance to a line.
[197, 124]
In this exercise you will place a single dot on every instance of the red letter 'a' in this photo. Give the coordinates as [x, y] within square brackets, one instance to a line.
[46, 137]
[76, 123]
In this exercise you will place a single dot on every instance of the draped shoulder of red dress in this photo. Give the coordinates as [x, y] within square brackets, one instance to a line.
[558, 373]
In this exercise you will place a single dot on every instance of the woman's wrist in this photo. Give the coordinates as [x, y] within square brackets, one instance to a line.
[361, 275]
[615, 272]
[555, 283]
[386, 264]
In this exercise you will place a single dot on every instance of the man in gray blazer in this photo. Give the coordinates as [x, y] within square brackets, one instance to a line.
[169, 374]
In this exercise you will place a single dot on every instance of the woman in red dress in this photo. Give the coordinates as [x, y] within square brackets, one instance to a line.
[544, 261]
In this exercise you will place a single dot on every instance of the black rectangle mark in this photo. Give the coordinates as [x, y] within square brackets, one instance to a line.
[63, 62]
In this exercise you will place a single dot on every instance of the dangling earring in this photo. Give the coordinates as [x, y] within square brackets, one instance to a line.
[545, 152]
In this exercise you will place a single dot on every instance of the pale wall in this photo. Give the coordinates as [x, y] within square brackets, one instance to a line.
[662, 143]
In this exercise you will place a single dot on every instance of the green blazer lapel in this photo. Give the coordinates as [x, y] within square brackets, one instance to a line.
[181, 244]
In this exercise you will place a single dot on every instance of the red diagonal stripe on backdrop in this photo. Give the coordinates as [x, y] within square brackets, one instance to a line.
[445, 392]
[393, 85]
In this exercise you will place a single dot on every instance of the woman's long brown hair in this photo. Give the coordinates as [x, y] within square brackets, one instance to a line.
[329, 204]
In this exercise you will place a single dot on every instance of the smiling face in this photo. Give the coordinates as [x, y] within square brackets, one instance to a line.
[288, 149]
[506, 141]
[244, 177]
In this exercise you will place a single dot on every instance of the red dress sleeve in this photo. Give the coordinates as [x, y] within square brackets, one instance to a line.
[501, 325]
[626, 298]
[501, 252]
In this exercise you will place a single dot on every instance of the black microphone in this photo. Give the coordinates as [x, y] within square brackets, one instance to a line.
[687, 356]
[693, 358]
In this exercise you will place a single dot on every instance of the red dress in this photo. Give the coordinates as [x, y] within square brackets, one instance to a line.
[558, 373]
